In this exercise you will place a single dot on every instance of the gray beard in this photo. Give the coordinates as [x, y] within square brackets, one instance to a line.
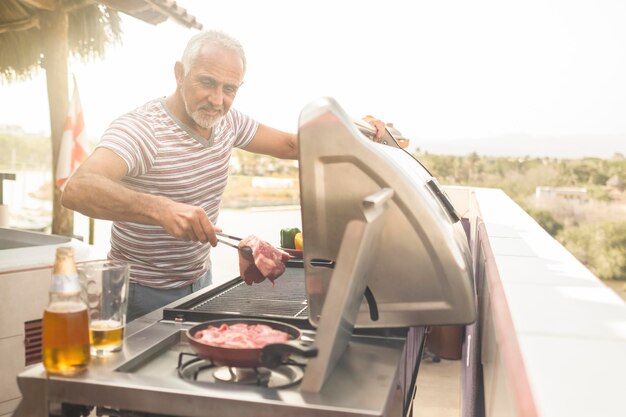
[201, 119]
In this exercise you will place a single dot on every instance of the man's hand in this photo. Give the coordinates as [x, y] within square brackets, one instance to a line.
[187, 222]
[378, 124]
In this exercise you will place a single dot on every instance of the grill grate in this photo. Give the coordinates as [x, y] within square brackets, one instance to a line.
[287, 298]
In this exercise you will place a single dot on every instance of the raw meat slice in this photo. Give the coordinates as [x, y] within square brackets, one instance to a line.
[266, 261]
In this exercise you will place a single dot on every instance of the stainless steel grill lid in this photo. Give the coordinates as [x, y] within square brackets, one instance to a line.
[419, 269]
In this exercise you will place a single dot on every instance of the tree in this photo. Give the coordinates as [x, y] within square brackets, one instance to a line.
[547, 221]
[601, 247]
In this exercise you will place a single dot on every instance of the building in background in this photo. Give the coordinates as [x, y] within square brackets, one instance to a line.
[565, 193]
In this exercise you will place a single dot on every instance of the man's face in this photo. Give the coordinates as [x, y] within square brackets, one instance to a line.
[210, 86]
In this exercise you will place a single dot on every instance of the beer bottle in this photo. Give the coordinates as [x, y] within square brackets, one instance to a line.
[65, 320]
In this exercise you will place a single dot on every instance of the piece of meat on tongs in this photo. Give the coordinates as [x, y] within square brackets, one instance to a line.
[259, 260]
[266, 262]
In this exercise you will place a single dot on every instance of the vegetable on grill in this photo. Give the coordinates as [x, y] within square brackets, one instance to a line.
[298, 241]
[287, 236]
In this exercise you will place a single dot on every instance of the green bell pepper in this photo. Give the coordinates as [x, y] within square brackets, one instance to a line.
[287, 235]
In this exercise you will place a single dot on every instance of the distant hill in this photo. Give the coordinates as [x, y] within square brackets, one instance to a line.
[564, 147]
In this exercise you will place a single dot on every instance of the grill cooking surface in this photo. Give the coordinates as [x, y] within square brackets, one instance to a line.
[285, 299]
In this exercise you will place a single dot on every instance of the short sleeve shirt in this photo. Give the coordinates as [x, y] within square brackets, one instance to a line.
[165, 158]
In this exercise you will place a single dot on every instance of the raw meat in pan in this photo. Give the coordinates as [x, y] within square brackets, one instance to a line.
[241, 336]
[266, 261]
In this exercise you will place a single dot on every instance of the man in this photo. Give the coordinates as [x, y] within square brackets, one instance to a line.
[159, 173]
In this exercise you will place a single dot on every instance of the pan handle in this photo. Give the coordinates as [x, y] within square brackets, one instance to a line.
[274, 354]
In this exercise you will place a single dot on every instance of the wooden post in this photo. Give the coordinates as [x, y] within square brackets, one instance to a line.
[54, 32]
[92, 231]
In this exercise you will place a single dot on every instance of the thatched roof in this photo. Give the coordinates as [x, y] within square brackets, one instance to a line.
[92, 26]
[154, 11]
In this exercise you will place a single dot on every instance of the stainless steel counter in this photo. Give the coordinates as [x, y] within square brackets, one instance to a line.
[142, 379]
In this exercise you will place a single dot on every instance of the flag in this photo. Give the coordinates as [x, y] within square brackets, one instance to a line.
[73, 148]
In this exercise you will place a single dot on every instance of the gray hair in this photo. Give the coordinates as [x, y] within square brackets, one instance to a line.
[210, 37]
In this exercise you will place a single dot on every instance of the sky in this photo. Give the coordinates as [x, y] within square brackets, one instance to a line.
[439, 70]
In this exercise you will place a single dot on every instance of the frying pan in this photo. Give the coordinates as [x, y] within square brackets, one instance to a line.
[269, 356]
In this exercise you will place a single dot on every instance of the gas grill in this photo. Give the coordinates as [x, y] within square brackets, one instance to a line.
[385, 255]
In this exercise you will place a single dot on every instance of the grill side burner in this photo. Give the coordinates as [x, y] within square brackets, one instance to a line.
[286, 300]
[193, 368]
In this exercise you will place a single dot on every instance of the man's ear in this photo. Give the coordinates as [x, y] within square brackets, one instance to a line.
[179, 73]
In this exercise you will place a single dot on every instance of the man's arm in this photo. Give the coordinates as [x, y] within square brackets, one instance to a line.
[95, 191]
[273, 142]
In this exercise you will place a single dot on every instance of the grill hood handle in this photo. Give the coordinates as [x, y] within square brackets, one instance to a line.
[274, 354]
[371, 303]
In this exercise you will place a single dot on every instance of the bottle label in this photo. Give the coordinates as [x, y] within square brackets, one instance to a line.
[65, 283]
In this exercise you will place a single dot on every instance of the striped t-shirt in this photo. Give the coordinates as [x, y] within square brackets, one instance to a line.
[166, 158]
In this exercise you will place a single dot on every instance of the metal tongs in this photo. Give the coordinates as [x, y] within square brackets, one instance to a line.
[247, 250]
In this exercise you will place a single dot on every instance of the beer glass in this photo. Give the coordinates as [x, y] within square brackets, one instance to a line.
[104, 286]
